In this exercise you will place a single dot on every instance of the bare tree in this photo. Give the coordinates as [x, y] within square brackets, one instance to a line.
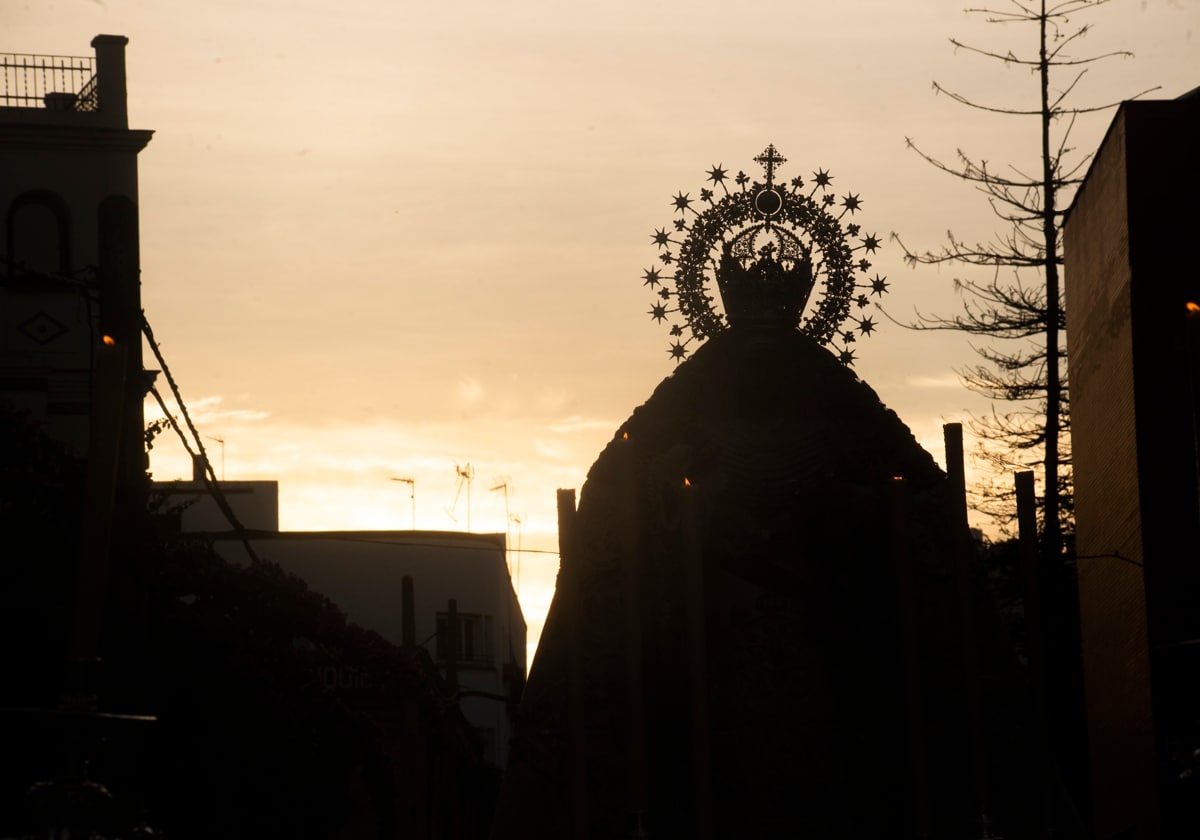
[1019, 319]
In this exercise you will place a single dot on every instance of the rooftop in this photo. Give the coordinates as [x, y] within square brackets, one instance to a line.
[52, 82]
[66, 89]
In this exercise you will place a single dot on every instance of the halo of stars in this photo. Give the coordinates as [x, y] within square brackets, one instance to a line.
[689, 250]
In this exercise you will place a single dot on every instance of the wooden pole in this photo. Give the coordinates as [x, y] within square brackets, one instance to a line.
[693, 571]
[1035, 630]
[452, 645]
[960, 536]
[626, 471]
[104, 452]
[569, 580]
[408, 625]
[918, 763]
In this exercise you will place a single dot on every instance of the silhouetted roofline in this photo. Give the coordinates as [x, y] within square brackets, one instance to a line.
[433, 538]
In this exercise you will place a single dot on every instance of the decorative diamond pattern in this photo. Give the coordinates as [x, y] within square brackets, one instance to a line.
[42, 328]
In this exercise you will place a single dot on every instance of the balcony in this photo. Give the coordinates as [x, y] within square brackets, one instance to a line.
[48, 93]
[48, 82]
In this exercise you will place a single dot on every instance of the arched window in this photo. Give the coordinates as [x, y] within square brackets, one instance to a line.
[38, 233]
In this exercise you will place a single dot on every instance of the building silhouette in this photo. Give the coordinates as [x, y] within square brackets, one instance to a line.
[769, 622]
[151, 682]
[770, 617]
[1133, 294]
[71, 392]
[69, 264]
[399, 584]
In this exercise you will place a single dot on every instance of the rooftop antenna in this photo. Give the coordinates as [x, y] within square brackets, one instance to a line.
[465, 474]
[222, 442]
[412, 495]
[516, 517]
[504, 485]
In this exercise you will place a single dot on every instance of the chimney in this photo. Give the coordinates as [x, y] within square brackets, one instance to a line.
[408, 626]
[110, 79]
[199, 468]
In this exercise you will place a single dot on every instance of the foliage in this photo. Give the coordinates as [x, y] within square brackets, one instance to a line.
[249, 739]
[1019, 318]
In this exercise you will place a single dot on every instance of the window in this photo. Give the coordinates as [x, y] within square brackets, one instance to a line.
[38, 233]
[474, 638]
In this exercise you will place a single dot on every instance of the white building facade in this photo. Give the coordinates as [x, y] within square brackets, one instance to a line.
[365, 574]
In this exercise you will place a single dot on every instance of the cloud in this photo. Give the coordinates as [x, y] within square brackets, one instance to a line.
[575, 423]
[947, 380]
[551, 449]
[208, 410]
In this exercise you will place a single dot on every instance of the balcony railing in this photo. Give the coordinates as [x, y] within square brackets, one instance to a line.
[61, 82]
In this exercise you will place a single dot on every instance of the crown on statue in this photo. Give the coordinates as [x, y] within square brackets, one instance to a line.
[765, 284]
[767, 245]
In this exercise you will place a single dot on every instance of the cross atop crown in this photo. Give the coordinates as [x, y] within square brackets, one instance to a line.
[770, 158]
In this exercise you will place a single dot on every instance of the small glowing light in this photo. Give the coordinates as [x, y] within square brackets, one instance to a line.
[1193, 307]
[109, 340]
[624, 435]
[897, 478]
[686, 483]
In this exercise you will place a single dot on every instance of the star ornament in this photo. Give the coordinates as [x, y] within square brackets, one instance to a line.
[768, 221]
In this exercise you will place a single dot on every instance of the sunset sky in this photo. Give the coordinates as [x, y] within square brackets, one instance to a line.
[382, 238]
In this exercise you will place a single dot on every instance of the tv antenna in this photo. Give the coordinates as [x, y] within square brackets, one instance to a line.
[516, 517]
[222, 442]
[412, 495]
[465, 473]
[504, 484]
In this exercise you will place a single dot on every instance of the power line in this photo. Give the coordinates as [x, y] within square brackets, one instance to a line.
[208, 475]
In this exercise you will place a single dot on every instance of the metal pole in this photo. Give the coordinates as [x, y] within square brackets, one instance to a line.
[412, 497]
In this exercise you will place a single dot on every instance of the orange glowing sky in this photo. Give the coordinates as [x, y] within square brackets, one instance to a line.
[382, 238]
